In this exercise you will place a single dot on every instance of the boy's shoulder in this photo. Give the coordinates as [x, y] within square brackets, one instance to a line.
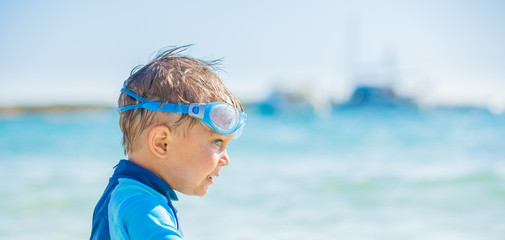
[131, 192]
[137, 207]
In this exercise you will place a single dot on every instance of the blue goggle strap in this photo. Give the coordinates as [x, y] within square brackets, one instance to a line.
[156, 105]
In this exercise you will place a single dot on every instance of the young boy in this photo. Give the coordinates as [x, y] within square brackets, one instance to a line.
[177, 118]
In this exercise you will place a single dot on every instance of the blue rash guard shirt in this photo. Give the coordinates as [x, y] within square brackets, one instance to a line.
[136, 205]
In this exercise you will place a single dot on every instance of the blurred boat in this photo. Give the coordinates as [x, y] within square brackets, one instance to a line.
[371, 96]
[284, 101]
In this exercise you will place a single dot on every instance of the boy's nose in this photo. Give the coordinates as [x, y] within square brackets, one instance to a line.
[225, 159]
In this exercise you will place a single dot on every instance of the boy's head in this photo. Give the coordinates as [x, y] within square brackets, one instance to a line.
[169, 78]
[177, 117]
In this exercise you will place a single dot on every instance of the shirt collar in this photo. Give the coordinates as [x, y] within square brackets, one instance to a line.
[127, 169]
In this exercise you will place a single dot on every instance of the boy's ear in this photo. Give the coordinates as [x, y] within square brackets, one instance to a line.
[159, 140]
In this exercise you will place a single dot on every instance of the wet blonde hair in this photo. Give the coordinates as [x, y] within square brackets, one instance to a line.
[170, 78]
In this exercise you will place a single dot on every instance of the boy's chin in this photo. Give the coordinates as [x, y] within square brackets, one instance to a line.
[203, 192]
[198, 192]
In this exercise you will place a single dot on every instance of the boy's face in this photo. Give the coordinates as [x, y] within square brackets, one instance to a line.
[195, 160]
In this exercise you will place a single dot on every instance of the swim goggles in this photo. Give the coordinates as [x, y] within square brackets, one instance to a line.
[218, 116]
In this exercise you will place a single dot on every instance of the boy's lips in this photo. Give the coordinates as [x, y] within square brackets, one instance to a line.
[211, 177]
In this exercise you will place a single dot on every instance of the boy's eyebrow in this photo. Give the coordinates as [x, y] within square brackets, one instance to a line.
[214, 134]
[211, 132]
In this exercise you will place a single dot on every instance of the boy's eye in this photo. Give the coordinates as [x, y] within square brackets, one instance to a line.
[218, 142]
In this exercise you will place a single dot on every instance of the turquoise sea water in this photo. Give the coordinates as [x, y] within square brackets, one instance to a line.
[354, 174]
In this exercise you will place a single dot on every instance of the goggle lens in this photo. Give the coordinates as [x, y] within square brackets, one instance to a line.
[224, 116]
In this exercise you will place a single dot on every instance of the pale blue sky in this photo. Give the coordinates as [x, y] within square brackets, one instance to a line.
[449, 52]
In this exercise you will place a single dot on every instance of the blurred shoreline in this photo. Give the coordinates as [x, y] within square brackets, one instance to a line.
[289, 101]
[249, 107]
[52, 108]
